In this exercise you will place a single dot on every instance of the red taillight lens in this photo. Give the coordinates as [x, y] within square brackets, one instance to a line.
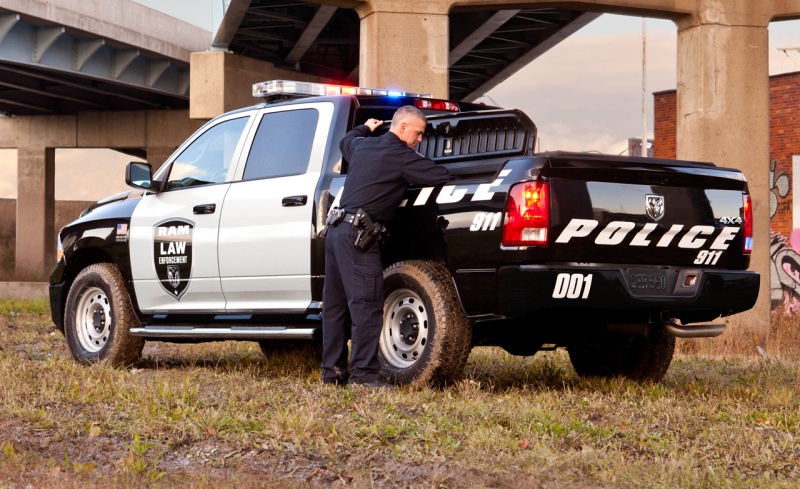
[431, 104]
[527, 215]
[748, 224]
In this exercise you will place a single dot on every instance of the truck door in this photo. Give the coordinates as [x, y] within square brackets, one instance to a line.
[173, 235]
[266, 222]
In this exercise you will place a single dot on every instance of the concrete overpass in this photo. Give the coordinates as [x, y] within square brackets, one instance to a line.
[452, 48]
[86, 74]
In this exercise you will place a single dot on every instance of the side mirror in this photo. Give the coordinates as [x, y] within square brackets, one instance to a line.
[139, 175]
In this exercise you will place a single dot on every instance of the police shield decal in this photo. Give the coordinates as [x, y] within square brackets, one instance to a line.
[172, 255]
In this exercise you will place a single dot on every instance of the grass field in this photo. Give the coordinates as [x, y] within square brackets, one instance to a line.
[220, 414]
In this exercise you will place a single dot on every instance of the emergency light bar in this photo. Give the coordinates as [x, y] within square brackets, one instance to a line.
[288, 87]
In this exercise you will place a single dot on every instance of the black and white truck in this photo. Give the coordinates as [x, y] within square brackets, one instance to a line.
[611, 257]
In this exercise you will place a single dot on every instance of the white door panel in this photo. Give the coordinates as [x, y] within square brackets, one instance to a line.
[287, 293]
[264, 245]
[202, 288]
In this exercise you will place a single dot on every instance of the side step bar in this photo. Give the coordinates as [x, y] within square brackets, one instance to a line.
[232, 333]
[697, 331]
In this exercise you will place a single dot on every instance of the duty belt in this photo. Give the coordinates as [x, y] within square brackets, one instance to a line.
[350, 218]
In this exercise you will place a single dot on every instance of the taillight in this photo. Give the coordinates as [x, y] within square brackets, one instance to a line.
[433, 104]
[527, 215]
[748, 224]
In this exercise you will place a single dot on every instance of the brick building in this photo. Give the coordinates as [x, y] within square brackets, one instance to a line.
[784, 176]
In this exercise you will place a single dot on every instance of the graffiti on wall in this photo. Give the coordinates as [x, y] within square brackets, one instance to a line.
[783, 251]
[785, 274]
[778, 186]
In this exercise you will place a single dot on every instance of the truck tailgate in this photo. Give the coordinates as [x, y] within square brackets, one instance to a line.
[645, 211]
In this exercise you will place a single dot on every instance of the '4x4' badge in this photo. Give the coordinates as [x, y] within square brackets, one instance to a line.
[172, 255]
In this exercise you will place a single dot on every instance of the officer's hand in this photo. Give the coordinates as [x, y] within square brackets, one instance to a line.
[373, 124]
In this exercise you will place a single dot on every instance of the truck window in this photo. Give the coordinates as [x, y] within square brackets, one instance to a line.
[207, 159]
[282, 145]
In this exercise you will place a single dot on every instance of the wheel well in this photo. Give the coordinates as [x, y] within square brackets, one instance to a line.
[77, 262]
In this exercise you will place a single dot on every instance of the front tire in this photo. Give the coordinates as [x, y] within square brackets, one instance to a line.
[426, 337]
[98, 318]
[640, 359]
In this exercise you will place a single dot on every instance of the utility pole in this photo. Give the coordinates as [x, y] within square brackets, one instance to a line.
[644, 86]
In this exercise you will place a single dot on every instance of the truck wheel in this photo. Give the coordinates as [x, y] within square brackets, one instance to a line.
[426, 337]
[641, 359]
[98, 318]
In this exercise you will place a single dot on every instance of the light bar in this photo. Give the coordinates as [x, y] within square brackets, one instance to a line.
[289, 87]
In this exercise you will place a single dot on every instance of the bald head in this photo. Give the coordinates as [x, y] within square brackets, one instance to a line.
[408, 124]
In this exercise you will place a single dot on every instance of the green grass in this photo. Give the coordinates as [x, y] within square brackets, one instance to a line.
[221, 414]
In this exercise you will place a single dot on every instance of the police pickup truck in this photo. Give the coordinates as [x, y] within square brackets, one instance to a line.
[611, 257]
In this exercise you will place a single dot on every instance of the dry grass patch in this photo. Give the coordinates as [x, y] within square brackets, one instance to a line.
[781, 342]
[220, 413]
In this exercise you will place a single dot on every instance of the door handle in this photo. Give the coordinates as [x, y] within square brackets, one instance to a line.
[294, 201]
[204, 208]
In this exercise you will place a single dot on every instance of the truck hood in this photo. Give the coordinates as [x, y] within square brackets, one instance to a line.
[116, 198]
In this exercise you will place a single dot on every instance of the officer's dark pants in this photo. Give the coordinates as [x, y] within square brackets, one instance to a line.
[354, 280]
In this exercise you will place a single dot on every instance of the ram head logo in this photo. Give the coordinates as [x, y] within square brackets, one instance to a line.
[654, 206]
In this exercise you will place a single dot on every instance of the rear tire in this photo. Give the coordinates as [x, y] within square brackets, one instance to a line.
[426, 336]
[640, 359]
[98, 317]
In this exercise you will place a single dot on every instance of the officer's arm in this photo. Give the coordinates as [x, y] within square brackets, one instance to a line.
[423, 171]
[351, 139]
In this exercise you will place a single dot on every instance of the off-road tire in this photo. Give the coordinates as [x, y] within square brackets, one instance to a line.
[423, 293]
[98, 317]
[640, 359]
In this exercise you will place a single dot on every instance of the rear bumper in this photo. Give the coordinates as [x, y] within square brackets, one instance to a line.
[528, 289]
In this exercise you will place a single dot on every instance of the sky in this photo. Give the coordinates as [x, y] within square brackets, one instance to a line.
[584, 95]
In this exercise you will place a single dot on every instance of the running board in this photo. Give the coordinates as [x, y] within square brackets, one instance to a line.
[232, 333]
[698, 331]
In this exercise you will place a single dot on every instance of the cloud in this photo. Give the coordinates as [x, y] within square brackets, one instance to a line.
[586, 93]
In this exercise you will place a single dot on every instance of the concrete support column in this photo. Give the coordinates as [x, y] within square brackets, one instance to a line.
[723, 117]
[405, 45]
[224, 81]
[36, 241]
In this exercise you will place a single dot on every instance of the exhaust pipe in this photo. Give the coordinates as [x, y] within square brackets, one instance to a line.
[696, 331]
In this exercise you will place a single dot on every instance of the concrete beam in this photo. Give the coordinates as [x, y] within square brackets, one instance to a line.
[538, 50]
[230, 23]
[134, 128]
[310, 34]
[122, 21]
[55, 131]
[480, 34]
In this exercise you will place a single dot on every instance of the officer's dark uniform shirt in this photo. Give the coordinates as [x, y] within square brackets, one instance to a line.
[380, 169]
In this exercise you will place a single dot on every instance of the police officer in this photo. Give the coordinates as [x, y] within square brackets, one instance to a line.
[380, 170]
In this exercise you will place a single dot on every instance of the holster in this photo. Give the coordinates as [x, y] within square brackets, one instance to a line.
[368, 231]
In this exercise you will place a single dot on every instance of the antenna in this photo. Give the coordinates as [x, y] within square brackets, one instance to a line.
[644, 86]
